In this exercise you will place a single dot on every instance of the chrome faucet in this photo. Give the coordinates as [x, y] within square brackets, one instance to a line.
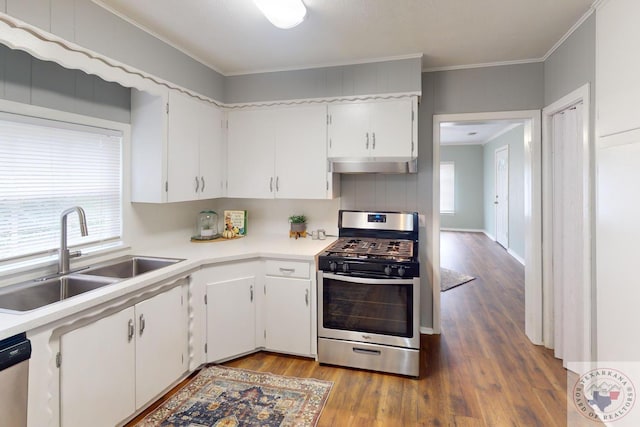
[65, 255]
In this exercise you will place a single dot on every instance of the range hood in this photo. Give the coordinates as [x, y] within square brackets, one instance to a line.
[388, 166]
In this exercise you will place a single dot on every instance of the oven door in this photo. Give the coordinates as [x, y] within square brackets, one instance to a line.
[372, 310]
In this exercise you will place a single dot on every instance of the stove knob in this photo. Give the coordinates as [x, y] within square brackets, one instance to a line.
[332, 266]
[401, 271]
[387, 270]
[345, 267]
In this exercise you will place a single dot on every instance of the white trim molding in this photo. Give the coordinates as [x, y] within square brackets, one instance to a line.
[426, 331]
[515, 256]
[462, 230]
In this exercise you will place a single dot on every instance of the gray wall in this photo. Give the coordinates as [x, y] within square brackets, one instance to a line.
[515, 140]
[46, 84]
[573, 64]
[469, 188]
[89, 25]
[360, 79]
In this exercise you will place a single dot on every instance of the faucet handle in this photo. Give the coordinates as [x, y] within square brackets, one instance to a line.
[75, 254]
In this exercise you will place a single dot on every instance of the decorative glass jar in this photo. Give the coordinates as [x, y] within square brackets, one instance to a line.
[207, 225]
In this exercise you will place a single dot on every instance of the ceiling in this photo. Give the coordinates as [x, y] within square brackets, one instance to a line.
[472, 133]
[233, 37]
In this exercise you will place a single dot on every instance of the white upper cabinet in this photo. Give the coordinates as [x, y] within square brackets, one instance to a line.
[373, 130]
[617, 66]
[177, 143]
[278, 153]
[251, 154]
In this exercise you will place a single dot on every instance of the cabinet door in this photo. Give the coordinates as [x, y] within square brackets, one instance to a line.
[97, 377]
[391, 129]
[231, 318]
[617, 66]
[250, 154]
[301, 153]
[148, 147]
[182, 157]
[210, 150]
[288, 315]
[161, 343]
[349, 134]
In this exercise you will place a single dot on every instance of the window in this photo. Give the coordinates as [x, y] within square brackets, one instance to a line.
[47, 166]
[447, 187]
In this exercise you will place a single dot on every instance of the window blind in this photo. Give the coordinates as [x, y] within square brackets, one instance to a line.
[447, 187]
[48, 166]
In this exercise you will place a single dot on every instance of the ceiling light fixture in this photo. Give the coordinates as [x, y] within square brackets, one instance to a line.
[283, 14]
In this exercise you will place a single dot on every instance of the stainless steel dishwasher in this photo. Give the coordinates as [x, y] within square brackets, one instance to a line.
[15, 352]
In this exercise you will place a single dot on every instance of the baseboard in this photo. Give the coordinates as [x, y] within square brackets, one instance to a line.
[466, 230]
[515, 256]
[486, 233]
[426, 331]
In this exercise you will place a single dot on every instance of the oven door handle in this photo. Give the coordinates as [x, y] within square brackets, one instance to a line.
[365, 280]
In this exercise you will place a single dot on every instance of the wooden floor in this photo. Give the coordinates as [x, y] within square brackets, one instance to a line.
[482, 370]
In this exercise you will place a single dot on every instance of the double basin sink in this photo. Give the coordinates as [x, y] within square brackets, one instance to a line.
[38, 293]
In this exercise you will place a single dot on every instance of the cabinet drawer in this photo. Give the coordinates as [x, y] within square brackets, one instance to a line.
[287, 269]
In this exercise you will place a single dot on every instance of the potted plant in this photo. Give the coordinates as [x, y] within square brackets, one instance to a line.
[298, 226]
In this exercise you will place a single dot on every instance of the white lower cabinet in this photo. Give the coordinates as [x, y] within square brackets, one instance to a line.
[257, 305]
[117, 364]
[161, 343]
[288, 315]
[231, 318]
[97, 374]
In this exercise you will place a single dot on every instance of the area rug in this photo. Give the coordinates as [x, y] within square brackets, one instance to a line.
[449, 279]
[222, 396]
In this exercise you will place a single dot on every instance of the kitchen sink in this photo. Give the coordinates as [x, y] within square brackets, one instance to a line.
[130, 266]
[39, 293]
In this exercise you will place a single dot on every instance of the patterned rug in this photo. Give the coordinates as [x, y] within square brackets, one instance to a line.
[449, 279]
[225, 397]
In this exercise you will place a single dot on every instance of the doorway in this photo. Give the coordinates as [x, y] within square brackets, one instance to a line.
[532, 213]
[501, 200]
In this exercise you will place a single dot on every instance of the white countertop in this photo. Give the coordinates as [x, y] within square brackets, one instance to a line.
[196, 255]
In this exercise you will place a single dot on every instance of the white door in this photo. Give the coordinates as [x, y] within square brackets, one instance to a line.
[501, 200]
[349, 133]
[182, 156]
[288, 315]
[251, 154]
[97, 372]
[161, 343]
[231, 318]
[210, 151]
[301, 154]
[391, 129]
[571, 311]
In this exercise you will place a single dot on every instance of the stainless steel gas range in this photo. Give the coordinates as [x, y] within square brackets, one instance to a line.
[369, 293]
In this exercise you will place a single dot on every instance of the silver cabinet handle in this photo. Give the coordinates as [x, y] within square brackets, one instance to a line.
[367, 144]
[287, 270]
[142, 324]
[130, 330]
[278, 183]
[306, 297]
[202, 179]
[251, 292]
[374, 140]
[197, 184]
[271, 185]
